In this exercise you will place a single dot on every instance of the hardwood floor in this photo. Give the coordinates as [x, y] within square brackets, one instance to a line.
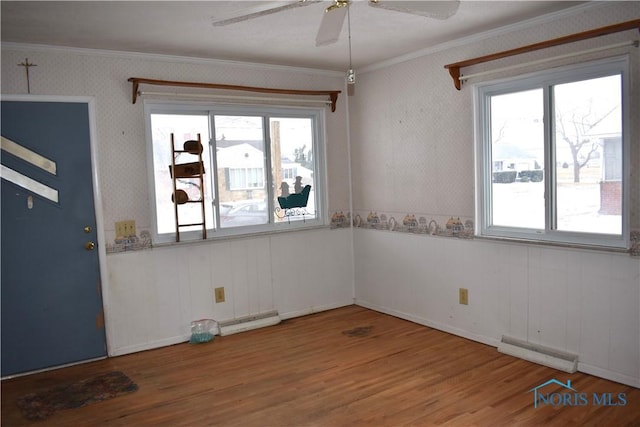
[345, 367]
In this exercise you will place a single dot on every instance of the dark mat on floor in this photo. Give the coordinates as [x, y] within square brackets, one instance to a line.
[38, 406]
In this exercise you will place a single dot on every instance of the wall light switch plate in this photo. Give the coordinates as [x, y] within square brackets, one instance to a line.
[125, 228]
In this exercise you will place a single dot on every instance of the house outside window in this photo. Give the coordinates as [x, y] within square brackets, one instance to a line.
[247, 152]
[552, 155]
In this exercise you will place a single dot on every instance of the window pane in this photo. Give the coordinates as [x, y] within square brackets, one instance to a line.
[240, 155]
[588, 148]
[293, 163]
[517, 160]
[184, 127]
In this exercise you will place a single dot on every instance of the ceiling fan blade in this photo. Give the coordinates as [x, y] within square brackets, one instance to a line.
[331, 25]
[264, 9]
[431, 9]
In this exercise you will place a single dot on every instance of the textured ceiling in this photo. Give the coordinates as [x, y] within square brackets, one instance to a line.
[285, 38]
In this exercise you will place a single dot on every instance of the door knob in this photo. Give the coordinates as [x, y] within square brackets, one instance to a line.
[87, 229]
[89, 246]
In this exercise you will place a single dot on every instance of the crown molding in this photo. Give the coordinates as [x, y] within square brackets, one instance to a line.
[497, 32]
[166, 58]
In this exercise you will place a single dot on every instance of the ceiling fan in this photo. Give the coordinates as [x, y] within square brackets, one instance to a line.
[334, 16]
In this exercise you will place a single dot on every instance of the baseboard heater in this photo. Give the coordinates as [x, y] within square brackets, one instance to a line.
[248, 323]
[539, 354]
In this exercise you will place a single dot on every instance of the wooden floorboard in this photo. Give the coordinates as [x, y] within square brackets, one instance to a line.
[345, 367]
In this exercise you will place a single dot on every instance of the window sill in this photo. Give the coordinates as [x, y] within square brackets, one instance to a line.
[221, 238]
[559, 245]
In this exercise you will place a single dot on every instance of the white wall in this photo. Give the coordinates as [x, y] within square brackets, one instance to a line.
[151, 296]
[413, 153]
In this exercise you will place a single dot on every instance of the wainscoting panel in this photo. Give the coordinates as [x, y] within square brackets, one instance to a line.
[154, 294]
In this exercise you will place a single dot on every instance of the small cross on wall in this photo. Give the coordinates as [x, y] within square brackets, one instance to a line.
[26, 64]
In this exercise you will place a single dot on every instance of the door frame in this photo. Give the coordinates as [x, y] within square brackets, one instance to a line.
[97, 202]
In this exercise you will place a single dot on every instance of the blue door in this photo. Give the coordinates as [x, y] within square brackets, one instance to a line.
[51, 291]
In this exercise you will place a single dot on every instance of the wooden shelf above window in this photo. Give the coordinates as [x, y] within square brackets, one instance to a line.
[332, 94]
[454, 69]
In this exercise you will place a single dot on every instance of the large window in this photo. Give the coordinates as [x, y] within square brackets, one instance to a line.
[552, 155]
[252, 157]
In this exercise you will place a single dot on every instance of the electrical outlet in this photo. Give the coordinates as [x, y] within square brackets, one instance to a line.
[219, 292]
[463, 296]
[125, 228]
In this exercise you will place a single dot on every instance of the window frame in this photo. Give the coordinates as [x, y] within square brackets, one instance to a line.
[267, 112]
[546, 79]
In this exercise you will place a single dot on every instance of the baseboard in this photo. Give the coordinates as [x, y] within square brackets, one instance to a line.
[435, 325]
[316, 309]
[148, 345]
[609, 375]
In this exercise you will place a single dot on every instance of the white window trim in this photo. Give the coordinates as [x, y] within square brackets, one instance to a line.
[318, 115]
[482, 140]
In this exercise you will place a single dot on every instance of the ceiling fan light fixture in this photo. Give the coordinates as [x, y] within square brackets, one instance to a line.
[351, 77]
